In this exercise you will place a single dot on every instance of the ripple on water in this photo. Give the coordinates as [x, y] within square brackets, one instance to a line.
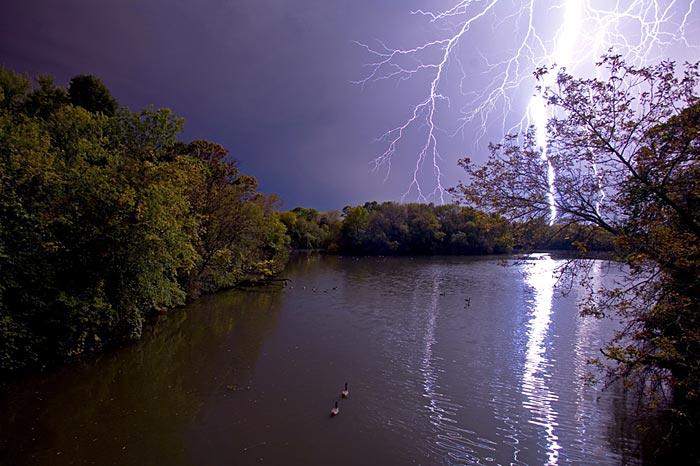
[433, 381]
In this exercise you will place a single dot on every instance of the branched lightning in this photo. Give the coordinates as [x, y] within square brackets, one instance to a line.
[639, 30]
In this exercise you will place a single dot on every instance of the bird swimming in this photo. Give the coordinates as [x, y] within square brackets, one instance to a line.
[335, 411]
[345, 392]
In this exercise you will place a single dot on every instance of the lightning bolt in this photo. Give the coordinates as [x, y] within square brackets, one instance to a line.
[639, 30]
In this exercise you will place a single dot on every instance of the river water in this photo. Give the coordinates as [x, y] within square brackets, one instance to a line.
[449, 360]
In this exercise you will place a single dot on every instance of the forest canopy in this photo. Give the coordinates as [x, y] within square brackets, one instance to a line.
[390, 228]
[107, 220]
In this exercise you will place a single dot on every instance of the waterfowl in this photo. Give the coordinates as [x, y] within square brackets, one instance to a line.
[335, 411]
[345, 392]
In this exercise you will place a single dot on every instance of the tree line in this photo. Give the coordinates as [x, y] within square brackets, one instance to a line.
[108, 220]
[391, 228]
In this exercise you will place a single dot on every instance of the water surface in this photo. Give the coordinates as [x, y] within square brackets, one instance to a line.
[449, 361]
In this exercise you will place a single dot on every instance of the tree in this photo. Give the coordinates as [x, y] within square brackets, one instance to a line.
[47, 99]
[106, 220]
[237, 236]
[89, 92]
[626, 153]
[13, 89]
[354, 229]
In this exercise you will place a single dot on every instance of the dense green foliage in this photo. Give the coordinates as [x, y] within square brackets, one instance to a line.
[107, 219]
[90, 93]
[390, 228]
[239, 237]
[310, 229]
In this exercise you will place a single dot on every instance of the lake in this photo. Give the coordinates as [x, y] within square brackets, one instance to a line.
[449, 360]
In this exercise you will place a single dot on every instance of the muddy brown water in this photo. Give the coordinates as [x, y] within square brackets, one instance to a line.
[449, 360]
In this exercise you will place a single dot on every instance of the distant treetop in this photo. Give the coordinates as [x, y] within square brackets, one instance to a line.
[89, 92]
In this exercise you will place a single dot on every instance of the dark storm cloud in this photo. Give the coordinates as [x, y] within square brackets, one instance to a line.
[268, 79]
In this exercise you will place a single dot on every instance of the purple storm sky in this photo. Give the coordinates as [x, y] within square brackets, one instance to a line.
[270, 80]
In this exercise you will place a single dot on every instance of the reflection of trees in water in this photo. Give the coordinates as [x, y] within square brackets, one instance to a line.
[586, 343]
[134, 405]
[640, 436]
[397, 270]
[630, 433]
[301, 262]
[624, 426]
